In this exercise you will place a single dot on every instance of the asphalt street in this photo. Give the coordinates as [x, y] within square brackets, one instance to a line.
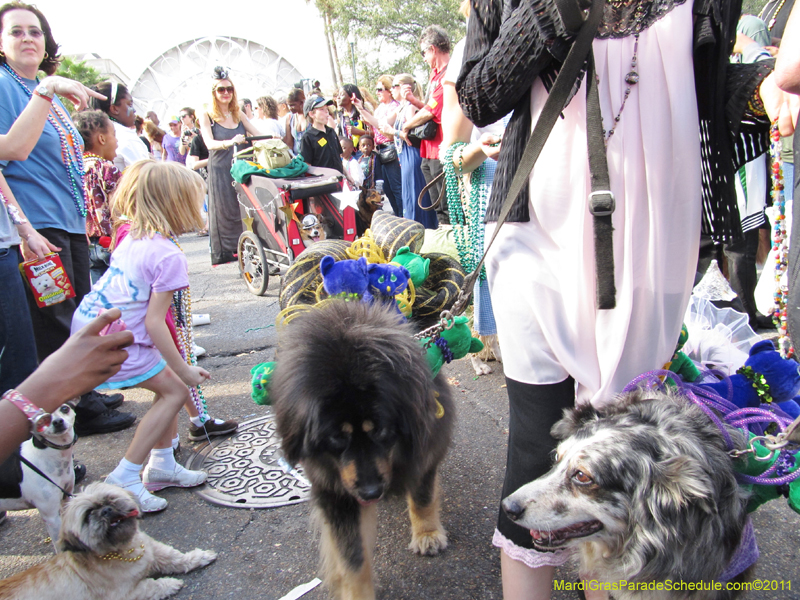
[265, 553]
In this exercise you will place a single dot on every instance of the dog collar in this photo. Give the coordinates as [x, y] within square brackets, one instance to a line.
[41, 443]
[39, 419]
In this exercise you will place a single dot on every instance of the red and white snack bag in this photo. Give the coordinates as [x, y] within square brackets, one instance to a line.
[48, 280]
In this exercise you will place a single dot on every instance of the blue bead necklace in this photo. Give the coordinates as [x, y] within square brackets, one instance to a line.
[71, 155]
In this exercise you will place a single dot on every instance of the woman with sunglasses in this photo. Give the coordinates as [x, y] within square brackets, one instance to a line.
[387, 164]
[46, 178]
[223, 128]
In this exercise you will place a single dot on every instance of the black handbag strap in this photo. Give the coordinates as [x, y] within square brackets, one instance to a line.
[553, 106]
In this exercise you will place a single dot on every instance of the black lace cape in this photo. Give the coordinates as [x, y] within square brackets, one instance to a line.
[511, 42]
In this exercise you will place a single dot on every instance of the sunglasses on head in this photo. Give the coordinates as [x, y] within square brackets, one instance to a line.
[225, 89]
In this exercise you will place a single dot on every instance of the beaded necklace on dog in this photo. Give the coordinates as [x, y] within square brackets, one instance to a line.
[117, 556]
[467, 225]
[71, 155]
[182, 314]
[780, 243]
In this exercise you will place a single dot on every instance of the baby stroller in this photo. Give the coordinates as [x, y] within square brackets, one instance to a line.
[282, 217]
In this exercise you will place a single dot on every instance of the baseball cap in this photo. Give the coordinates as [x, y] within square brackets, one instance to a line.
[174, 119]
[313, 102]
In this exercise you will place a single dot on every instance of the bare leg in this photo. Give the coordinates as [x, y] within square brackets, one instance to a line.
[521, 582]
[191, 408]
[157, 425]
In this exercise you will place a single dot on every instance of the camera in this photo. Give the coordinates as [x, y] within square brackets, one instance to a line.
[192, 131]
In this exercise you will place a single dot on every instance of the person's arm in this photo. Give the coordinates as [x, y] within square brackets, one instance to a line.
[157, 329]
[490, 85]
[20, 140]
[787, 66]
[457, 128]
[84, 361]
[208, 136]
[423, 116]
[34, 244]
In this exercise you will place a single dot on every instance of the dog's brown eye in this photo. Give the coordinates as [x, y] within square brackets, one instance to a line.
[582, 478]
[65, 409]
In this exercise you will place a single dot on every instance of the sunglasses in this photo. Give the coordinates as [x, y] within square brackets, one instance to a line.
[225, 89]
[184, 116]
[396, 85]
[381, 90]
[422, 52]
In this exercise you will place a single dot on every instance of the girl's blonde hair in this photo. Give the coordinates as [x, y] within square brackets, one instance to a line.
[217, 109]
[408, 79]
[158, 197]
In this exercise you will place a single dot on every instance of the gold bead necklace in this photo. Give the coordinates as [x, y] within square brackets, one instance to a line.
[117, 556]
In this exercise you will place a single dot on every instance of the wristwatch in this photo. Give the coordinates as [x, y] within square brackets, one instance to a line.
[43, 91]
[39, 419]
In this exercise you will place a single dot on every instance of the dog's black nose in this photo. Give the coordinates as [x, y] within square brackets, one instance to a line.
[106, 512]
[58, 425]
[371, 492]
[513, 509]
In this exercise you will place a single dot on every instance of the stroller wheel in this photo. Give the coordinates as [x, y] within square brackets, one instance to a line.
[253, 263]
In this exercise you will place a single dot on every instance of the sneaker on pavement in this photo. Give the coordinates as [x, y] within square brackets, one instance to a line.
[109, 400]
[198, 351]
[158, 479]
[105, 422]
[147, 501]
[211, 428]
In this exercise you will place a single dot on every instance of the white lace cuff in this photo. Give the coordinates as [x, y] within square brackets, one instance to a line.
[531, 558]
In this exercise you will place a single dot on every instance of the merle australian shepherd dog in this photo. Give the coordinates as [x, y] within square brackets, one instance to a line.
[356, 404]
[646, 492]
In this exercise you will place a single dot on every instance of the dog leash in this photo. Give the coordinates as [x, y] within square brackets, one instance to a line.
[713, 405]
[38, 471]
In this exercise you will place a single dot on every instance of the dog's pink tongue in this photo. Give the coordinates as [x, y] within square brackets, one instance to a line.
[132, 514]
[537, 535]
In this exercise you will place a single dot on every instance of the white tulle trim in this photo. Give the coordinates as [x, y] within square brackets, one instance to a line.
[531, 558]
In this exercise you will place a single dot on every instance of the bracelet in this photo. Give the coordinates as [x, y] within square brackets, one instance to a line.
[38, 418]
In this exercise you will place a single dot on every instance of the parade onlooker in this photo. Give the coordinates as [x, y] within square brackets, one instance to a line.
[153, 117]
[223, 127]
[349, 122]
[156, 136]
[350, 165]
[138, 125]
[296, 124]
[320, 145]
[570, 335]
[159, 201]
[434, 45]
[266, 119]
[382, 122]
[246, 107]
[403, 88]
[189, 129]
[47, 182]
[100, 181]
[171, 143]
[119, 108]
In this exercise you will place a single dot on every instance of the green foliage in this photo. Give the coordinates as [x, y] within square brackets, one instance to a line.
[79, 71]
[387, 33]
[752, 7]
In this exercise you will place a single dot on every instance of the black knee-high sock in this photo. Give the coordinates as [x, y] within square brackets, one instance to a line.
[533, 410]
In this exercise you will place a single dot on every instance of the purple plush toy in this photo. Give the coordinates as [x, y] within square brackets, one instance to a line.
[345, 278]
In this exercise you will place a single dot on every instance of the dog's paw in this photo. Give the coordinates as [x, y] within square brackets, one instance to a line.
[428, 543]
[200, 558]
[157, 589]
[480, 367]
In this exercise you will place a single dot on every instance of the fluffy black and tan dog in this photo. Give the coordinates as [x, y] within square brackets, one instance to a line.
[357, 405]
[369, 202]
[646, 491]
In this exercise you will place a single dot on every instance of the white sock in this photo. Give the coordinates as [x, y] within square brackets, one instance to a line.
[176, 442]
[197, 423]
[127, 472]
[163, 459]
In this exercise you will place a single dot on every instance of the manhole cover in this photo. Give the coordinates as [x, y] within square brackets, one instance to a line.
[247, 470]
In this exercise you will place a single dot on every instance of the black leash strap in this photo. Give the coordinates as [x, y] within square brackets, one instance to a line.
[544, 125]
[38, 471]
[601, 200]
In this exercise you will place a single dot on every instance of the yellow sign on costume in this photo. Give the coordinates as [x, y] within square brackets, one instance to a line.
[322, 141]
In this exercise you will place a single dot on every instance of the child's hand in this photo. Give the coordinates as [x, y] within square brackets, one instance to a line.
[194, 376]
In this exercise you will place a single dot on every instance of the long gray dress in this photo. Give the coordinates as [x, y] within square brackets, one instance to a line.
[224, 218]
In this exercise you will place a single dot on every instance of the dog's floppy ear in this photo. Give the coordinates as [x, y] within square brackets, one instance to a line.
[573, 419]
[69, 542]
[678, 482]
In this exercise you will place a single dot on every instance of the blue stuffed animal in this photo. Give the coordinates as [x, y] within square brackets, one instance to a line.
[385, 282]
[766, 378]
[344, 278]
